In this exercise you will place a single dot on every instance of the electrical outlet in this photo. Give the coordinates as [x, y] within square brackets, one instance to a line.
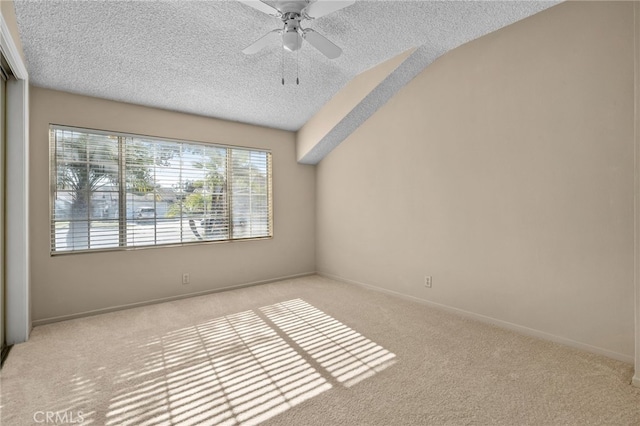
[427, 281]
[185, 278]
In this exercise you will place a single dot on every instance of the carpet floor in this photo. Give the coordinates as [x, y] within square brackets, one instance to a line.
[307, 351]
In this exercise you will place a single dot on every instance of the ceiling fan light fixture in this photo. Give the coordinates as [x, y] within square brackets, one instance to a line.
[291, 40]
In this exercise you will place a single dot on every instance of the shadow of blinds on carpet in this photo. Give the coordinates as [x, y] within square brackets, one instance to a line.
[236, 369]
[344, 353]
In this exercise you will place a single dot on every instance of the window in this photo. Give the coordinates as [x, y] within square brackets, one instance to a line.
[114, 191]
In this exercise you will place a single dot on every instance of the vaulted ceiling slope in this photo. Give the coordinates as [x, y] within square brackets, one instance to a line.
[187, 55]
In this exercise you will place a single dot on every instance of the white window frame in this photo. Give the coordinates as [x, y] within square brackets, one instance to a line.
[123, 209]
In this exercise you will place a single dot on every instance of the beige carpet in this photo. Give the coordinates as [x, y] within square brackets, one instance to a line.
[309, 351]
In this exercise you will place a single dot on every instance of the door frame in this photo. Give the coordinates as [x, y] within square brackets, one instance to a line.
[17, 276]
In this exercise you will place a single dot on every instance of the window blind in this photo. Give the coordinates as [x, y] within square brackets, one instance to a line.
[112, 191]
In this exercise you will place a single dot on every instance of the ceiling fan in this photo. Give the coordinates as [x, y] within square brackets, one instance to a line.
[292, 13]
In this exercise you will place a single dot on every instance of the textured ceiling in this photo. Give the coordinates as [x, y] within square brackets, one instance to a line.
[186, 55]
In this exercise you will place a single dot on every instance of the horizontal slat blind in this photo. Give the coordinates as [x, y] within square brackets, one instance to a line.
[250, 193]
[121, 191]
[85, 200]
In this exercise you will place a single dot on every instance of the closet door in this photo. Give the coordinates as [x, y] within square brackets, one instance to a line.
[3, 91]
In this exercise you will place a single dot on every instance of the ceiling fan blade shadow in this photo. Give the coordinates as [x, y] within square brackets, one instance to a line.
[321, 43]
[262, 7]
[262, 42]
[320, 8]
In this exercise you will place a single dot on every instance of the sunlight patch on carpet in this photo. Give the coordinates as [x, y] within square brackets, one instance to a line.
[241, 369]
[344, 353]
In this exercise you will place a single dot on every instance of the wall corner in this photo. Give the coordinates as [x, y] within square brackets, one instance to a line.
[636, 195]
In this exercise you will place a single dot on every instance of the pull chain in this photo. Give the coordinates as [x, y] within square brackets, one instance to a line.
[298, 66]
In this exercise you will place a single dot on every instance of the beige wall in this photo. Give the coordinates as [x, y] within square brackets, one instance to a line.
[505, 170]
[70, 284]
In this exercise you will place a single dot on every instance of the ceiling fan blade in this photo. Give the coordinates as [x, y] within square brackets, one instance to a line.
[320, 8]
[261, 43]
[321, 43]
[262, 7]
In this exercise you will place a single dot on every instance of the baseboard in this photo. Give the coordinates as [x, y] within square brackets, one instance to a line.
[636, 380]
[494, 321]
[164, 299]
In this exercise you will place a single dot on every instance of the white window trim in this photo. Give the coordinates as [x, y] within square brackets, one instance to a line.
[52, 161]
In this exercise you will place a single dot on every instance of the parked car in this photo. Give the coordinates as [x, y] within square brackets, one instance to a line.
[145, 213]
